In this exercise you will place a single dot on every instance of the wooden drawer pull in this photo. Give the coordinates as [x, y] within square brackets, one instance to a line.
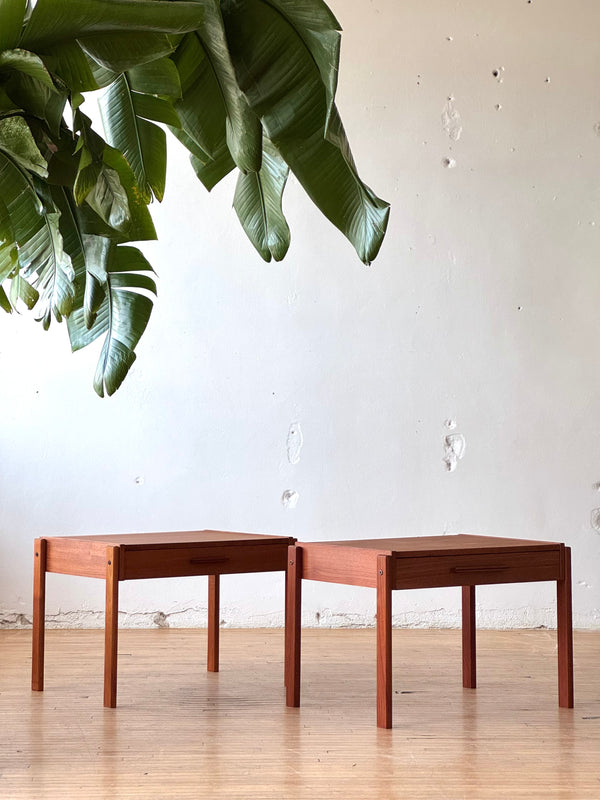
[208, 560]
[479, 569]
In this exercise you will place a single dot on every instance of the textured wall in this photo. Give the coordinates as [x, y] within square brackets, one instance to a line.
[451, 387]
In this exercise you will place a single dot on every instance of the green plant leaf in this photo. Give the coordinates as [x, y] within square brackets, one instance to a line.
[21, 289]
[109, 199]
[5, 302]
[209, 169]
[156, 108]
[120, 51]
[122, 314]
[257, 202]
[293, 108]
[320, 31]
[17, 141]
[33, 234]
[38, 98]
[12, 13]
[141, 142]
[212, 110]
[158, 77]
[27, 63]
[71, 64]
[9, 260]
[55, 282]
[55, 21]
[243, 130]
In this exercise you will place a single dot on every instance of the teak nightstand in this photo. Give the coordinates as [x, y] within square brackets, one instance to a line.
[134, 556]
[428, 561]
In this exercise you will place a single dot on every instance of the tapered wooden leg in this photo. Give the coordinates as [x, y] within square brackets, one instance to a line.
[39, 615]
[384, 641]
[285, 616]
[293, 626]
[111, 627]
[469, 653]
[214, 586]
[565, 635]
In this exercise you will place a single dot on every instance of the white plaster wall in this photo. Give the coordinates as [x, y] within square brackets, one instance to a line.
[482, 308]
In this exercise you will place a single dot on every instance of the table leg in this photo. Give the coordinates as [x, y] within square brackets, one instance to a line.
[111, 627]
[565, 635]
[384, 641]
[469, 653]
[285, 616]
[293, 626]
[39, 615]
[214, 587]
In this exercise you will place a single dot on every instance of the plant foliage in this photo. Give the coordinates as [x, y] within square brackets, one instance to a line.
[243, 84]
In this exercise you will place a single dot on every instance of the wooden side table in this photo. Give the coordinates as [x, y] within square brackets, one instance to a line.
[133, 556]
[431, 561]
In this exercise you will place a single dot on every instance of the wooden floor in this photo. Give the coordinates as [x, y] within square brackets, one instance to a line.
[180, 732]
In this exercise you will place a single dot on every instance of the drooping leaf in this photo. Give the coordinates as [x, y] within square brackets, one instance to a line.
[7, 106]
[55, 21]
[28, 218]
[142, 143]
[141, 226]
[5, 302]
[257, 202]
[123, 50]
[212, 110]
[123, 315]
[55, 282]
[17, 141]
[292, 105]
[38, 98]
[21, 289]
[320, 31]
[201, 108]
[209, 169]
[155, 108]
[12, 13]
[9, 260]
[109, 199]
[71, 64]
[243, 130]
[158, 77]
[27, 63]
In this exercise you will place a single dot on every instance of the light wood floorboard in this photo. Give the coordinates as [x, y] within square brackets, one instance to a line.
[182, 732]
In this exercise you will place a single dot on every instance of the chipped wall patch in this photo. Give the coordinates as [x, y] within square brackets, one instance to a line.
[451, 121]
[595, 520]
[295, 440]
[454, 450]
[289, 499]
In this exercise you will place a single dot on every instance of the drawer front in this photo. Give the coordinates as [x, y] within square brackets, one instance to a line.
[175, 562]
[473, 569]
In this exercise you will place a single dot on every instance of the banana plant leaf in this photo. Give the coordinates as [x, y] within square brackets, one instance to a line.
[294, 113]
[158, 77]
[246, 83]
[242, 127]
[17, 141]
[56, 21]
[122, 314]
[12, 13]
[257, 202]
[144, 145]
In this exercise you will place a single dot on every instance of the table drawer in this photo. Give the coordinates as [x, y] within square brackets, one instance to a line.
[171, 562]
[474, 569]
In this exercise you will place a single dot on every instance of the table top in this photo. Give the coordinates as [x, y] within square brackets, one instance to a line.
[439, 545]
[175, 538]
